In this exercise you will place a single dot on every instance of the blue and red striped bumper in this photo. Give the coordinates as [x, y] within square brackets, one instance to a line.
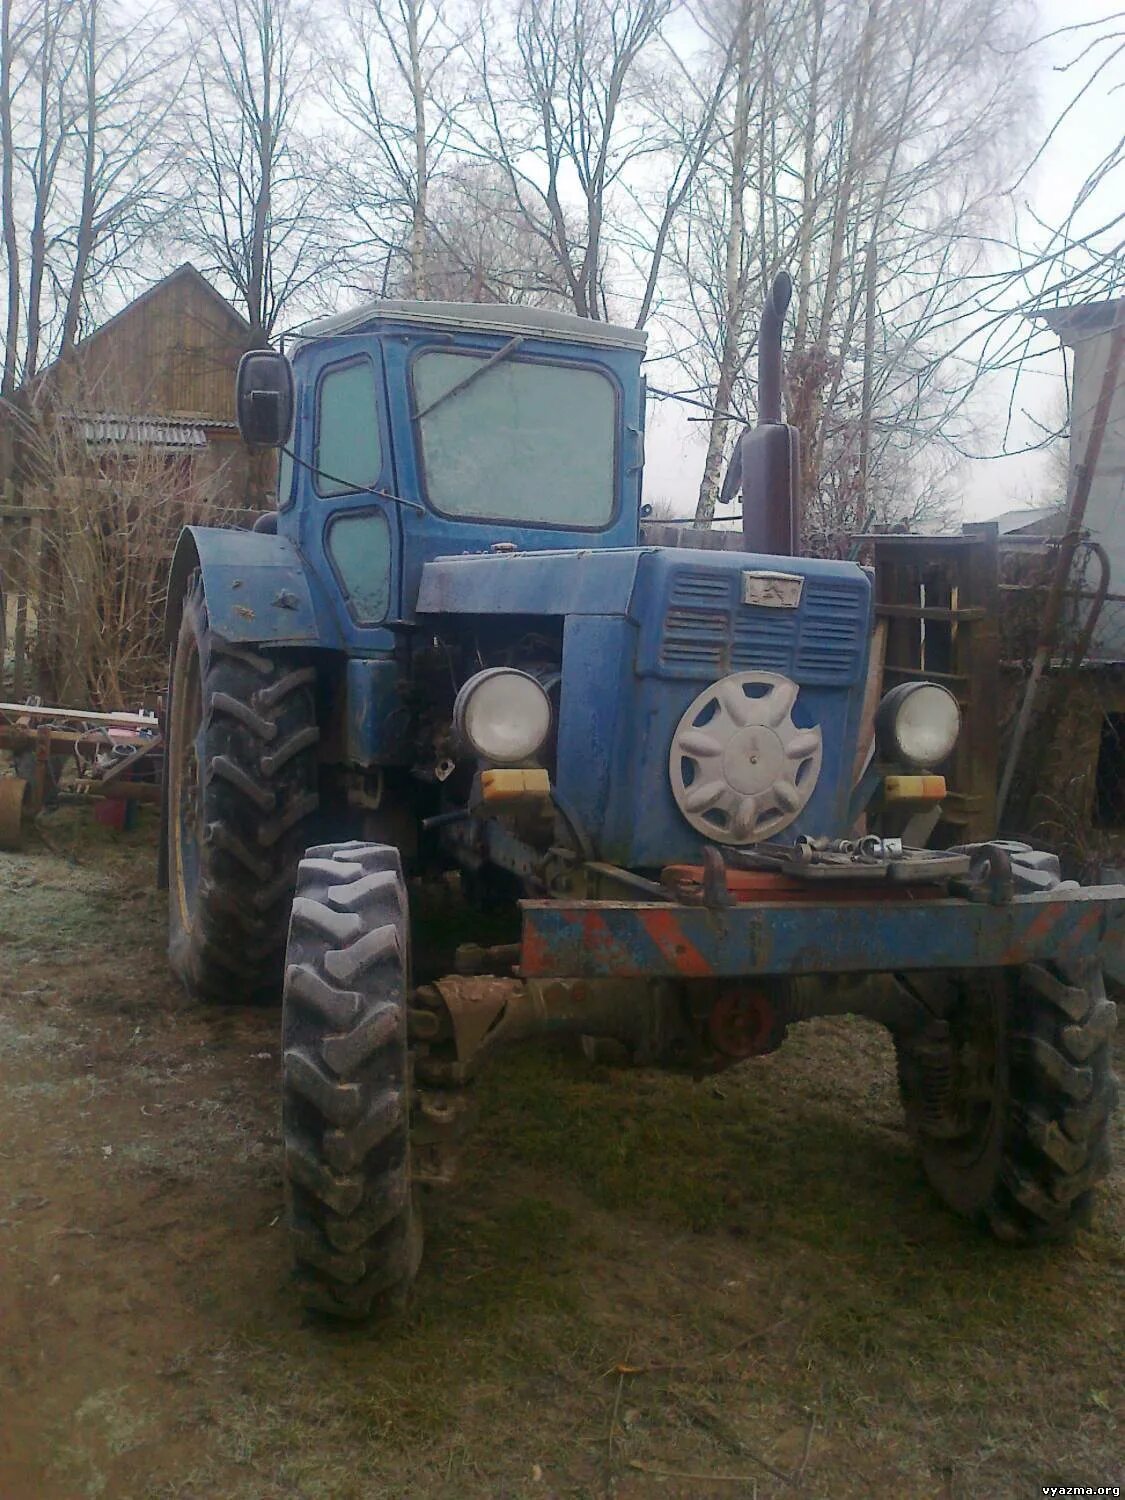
[650, 940]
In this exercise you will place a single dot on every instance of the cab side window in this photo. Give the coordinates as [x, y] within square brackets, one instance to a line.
[349, 453]
[359, 545]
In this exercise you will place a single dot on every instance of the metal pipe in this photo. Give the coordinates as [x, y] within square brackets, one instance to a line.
[446, 819]
[1101, 594]
[769, 350]
[484, 1014]
[113, 720]
[116, 791]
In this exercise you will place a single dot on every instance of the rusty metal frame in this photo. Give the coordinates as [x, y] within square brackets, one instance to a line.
[50, 739]
[642, 939]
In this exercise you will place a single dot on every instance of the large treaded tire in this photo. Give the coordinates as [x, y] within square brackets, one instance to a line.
[242, 794]
[354, 1224]
[1028, 1170]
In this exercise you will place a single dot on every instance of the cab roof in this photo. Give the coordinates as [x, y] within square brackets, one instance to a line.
[479, 317]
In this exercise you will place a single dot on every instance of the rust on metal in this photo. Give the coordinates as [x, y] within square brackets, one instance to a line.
[475, 1005]
[14, 797]
[441, 1121]
[714, 888]
[472, 958]
[743, 1023]
[630, 939]
[107, 748]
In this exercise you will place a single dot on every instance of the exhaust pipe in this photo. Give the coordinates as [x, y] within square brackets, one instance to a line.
[766, 465]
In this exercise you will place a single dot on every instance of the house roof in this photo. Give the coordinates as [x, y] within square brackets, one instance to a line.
[535, 322]
[186, 271]
[1073, 324]
[1040, 520]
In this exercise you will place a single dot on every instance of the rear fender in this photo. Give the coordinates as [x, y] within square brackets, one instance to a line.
[258, 591]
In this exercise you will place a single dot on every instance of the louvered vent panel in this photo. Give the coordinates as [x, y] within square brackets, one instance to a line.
[695, 638]
[702, 586]
[709, 632]
[832, 622]
[764, 639]
[697, 625]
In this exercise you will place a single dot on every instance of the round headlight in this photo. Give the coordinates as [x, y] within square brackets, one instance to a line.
[918, 723]
[502, 715]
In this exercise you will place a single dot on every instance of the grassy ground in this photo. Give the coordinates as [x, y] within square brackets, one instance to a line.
[641, 1286]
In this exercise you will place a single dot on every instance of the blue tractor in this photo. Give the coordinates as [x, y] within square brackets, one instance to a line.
[450, 659]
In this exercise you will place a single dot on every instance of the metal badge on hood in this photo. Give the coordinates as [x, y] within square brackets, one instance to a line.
[772, 590]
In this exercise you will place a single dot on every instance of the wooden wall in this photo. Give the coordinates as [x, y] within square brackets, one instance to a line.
[173, 351]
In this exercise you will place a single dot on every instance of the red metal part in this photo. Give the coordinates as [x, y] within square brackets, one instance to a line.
[743, 1023]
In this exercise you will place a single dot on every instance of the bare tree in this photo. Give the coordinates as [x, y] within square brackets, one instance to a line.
[480, 248]
[87, 88]
[110, 518]
[396, 84]
[9, 41]
[719, 207]
[51, 66]
[129, 83]
[876, 148]
[571, 116]
[1035, 264]
[254, 209]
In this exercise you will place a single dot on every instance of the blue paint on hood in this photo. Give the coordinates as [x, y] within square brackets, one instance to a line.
[583, 582]
[645, 630]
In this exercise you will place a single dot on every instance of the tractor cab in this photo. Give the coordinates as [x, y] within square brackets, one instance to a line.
[464, 484]
[422, 430]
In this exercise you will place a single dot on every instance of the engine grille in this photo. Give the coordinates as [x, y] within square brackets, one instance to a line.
[709, 632]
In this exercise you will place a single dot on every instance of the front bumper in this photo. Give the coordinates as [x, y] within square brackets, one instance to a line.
[590, 939]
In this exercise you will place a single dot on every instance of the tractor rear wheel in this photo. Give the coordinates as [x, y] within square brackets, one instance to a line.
[1009, 1098]
[242, 792]
[354, 1224]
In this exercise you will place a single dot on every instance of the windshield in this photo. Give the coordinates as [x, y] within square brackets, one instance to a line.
[522, 441]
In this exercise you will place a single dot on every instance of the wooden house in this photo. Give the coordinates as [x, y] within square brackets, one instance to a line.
[159, 378]
[132, 435]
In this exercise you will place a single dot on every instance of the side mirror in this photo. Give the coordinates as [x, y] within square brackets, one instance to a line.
[264, 398]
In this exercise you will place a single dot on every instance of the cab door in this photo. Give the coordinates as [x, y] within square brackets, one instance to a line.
[349, 528]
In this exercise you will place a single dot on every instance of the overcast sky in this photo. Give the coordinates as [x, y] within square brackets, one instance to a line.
[674, 459]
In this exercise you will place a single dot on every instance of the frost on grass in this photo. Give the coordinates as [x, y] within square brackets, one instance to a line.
[107, 1424]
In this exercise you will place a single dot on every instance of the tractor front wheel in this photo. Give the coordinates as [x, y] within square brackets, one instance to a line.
[241, 795]
[1009, 1098]
[354, 1225]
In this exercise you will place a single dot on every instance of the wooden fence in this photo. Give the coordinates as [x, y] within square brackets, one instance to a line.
[21, 559]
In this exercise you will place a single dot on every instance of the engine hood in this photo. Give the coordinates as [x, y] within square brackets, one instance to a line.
[582, 582]
[598, 581]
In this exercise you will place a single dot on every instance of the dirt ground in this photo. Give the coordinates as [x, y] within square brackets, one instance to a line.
[641, 1286]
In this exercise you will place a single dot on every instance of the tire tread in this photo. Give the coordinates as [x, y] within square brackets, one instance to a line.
[260, 796]
[354, 1229]
[1061, 1095]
